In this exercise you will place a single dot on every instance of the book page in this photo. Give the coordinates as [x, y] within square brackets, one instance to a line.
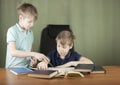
[61, 71]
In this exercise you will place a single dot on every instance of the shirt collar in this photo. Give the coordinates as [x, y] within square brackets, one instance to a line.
[20, 29]
[67, 56]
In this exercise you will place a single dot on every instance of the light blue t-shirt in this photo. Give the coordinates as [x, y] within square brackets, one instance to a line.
[24, 41]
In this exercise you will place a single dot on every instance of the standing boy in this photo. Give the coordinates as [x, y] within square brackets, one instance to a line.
[63, 56]
[20, 39]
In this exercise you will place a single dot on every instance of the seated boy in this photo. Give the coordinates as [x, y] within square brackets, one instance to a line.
[63, 56]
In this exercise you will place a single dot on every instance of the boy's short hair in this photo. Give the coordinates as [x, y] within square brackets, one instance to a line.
[27, 9]
[65, 37]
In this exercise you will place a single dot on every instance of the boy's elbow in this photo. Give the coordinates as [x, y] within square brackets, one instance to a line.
[86, 60]
[13, 53]
[91, 62]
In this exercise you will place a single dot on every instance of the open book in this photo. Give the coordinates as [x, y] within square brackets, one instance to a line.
[67, 72]
[71, 74]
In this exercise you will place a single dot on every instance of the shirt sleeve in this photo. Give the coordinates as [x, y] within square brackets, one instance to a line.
[50, 55]
[77, 56]
[11, 35]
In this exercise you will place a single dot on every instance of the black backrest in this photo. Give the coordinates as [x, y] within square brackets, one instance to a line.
[48, 36]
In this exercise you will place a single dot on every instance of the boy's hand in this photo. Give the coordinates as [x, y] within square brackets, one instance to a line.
[33, 61]
[40, 57]
[42, 65]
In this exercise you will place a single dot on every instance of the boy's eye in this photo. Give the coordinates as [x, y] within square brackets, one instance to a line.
[29, 21]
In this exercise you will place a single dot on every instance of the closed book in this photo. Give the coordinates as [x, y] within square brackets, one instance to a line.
[20, 70]
[43, 73]
[98, 69]
[84, 67]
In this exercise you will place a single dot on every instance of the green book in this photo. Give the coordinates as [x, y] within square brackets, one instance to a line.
[84, 67]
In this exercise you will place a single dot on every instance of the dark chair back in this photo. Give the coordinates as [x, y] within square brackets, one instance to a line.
[48, 36]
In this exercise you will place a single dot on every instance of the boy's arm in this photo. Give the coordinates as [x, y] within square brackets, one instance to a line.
[18, 53]
[82, 60]
[71, 63]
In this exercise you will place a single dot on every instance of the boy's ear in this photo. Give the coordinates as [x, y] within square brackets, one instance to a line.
[71, 46]
[20, 17]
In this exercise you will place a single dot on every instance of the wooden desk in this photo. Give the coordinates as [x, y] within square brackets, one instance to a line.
[112, 77]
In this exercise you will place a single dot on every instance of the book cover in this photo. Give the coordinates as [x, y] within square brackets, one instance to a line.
[43, 73]
[84, 67]
[98, 69]
[20, 70]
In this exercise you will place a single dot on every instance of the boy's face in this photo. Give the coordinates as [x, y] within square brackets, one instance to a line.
[26, 22]
[63, 50]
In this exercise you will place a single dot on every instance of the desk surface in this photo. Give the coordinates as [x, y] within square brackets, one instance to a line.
[112, 77]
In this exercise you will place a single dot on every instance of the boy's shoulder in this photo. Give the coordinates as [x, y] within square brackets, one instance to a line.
[75, 53]
[52, 52]
[13, 28]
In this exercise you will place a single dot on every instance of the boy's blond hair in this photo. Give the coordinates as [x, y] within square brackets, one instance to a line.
[27, 9]
[65, 37]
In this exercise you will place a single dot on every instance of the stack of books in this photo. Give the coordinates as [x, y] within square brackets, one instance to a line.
[92, 68]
